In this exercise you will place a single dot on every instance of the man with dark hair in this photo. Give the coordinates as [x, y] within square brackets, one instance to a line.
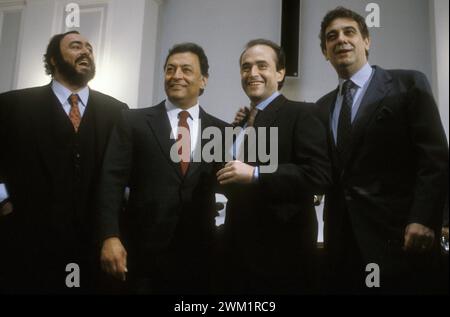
[271, 225]
[342, 13]
[170, 216]
[55, 62]
[194, 49]
[390, 167]
[53, 138]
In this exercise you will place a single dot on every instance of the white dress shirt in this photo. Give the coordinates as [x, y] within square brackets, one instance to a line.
[193, 121]
[361, 79]
[63, 94]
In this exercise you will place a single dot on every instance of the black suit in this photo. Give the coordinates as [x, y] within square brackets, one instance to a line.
[51, 174]
[396, 174]
[271, 225]
[168, 225]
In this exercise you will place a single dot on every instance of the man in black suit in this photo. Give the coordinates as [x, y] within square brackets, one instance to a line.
[163, 243]
[271, 225]
[390, 166]
[54, 139]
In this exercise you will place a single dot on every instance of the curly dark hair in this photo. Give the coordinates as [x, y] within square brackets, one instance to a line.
[341, 12]
[54, 52]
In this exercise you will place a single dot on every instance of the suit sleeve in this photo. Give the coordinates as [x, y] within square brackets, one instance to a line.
[310, 171]
[431, 148]
[2, 137]
[114, 179]
[445, 216]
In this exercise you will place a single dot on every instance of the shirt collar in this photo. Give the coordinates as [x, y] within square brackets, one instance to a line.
[173, 110]
[262, 105]
[63, 94]
[360, 78]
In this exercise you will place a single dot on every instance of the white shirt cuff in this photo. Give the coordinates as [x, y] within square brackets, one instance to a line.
[3, 193]
[255, 174]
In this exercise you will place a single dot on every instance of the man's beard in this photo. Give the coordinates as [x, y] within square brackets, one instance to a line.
[71, 75]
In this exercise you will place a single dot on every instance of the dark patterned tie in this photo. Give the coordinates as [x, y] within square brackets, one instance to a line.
[252, 117]
[74, 114]
[242, 154]
[185, 141]
[344, 131]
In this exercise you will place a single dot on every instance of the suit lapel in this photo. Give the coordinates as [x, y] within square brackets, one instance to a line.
[378, 88]
[266, 117]
[205, 123]
[88, 112]
[95, 119]
[159, 122]
[330, 103]
[50, 124]
[326, 114]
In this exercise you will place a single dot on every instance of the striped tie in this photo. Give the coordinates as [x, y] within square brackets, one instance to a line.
[344, 131]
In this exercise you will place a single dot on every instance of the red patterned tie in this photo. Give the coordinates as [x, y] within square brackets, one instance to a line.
[184, 139]
[74, 114]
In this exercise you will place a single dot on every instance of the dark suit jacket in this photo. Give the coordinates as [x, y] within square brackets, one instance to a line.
[397, 171]
[51, 173]
[169, 218]
[271, 225]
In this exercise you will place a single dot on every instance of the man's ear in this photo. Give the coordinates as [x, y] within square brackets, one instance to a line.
[204, 81]
[281, 74]
[367, 42]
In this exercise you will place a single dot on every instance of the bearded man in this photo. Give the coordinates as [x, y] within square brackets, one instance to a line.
[53, 142]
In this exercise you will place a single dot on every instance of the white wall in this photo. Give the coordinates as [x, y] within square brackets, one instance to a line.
[439, 24]
[121, 72]
[37, 23]
[10, 22]
[116, 28]
[150, 40]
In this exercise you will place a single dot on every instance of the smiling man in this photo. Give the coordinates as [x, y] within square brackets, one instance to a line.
[390, 166]
[271, 225]
[170, 214]
[53, 140]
